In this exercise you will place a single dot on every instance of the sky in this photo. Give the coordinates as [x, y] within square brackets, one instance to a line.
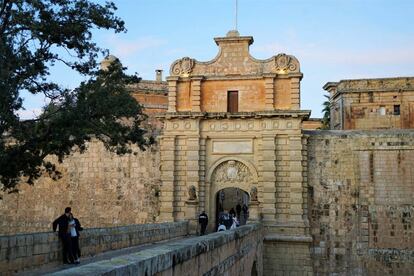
[332, 39]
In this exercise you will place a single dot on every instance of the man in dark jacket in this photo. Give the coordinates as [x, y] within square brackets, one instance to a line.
[64, 235]
[203, 221]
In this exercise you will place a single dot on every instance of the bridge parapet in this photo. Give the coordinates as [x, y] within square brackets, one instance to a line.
[234, 252]
[29, 251]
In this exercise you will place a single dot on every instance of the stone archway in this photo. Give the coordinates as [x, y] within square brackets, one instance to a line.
[230, 172]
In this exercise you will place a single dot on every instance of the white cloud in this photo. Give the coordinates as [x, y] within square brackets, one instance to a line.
[124, 49]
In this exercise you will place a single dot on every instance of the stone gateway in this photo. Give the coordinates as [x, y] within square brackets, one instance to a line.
[235, 122]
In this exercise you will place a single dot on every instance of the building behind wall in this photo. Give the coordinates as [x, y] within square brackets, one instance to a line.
[384, 103]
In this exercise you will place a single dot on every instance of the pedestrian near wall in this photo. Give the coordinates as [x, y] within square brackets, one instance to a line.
[74, 229]
[203, 221]
[63, 223]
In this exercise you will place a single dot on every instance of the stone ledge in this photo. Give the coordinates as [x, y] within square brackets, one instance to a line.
[394, 133]
[287, 238]
[304, 114]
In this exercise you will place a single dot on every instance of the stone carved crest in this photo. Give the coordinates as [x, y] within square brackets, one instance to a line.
[284, 62]
[233, 172]
[192, 194]
[182, 66]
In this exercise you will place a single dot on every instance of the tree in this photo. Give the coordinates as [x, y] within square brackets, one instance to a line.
[326, 113]
[33, 35]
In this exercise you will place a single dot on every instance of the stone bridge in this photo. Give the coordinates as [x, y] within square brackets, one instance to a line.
[149, 249]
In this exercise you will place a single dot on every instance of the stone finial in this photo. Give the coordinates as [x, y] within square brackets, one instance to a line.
[233, 33]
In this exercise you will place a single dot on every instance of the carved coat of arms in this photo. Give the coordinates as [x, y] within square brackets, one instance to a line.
[284, 62]
[183, 66]
[232, 171]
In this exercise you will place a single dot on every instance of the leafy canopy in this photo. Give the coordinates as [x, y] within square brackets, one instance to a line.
[33, 36]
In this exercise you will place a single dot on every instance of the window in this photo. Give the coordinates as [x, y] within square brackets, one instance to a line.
[233, 101]
[397, 109]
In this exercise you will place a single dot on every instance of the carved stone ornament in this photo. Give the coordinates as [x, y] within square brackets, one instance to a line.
[253, 194]
[284, 62]
[233, 172]
[183, 66]
[192, 195]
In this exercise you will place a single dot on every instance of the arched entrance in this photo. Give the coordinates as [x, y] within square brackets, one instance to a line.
[230, 200]
[235, 177]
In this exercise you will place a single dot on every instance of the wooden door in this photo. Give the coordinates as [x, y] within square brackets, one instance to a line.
[233, 101]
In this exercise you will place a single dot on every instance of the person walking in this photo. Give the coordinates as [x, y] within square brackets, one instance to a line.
[245, 210]
[238, 210]
[63, 223]
[74, 229]
[203, 221]
[232, 212]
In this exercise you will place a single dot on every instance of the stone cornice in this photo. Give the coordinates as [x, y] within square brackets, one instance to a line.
[303, 114]
[371, 85]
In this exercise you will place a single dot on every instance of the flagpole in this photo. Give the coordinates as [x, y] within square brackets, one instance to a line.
[235, 25]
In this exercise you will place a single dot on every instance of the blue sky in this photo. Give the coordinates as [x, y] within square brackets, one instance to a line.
[333, 39]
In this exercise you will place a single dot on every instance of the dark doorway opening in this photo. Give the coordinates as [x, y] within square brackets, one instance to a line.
[232, 199]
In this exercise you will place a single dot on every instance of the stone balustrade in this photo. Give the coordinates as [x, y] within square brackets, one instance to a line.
[29, 251]
[233, 252]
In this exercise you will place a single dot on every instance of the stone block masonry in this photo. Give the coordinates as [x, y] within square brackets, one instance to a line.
[29, 251]
[361, 201]
[103, 189]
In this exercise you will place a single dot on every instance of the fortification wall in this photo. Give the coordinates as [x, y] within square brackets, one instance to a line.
[361, 201]
[32, 250]
[103, 189]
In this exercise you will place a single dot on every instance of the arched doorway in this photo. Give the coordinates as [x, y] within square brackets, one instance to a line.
[232, 199]
[234, 173]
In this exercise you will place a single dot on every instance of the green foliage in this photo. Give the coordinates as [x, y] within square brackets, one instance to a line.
[33, 34]
[326, 113]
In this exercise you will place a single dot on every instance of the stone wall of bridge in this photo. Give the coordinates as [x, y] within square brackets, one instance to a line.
[233, 253]
[32, 250]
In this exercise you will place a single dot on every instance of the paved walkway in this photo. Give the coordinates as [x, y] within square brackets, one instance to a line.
[99, 257]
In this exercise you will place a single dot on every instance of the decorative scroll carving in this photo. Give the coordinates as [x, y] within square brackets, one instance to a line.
[253, 194]
[192, 194]
[284, 62]
[233, 172]
[182, 66]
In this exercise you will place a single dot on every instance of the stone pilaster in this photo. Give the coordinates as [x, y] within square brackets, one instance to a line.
[167, 152]
[195, 94]
[282, 178]
[192, 179]
[295, 92]
[267, 178]
[172, 94]
[269, 92]
[295, 179]
[202, 173]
